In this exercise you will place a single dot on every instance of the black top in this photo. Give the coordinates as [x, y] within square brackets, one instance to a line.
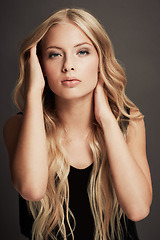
[79, 205]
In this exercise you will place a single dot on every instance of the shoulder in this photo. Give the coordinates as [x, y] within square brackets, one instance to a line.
[11, 131]
[136, 130]
[12, 124]
[136, 122]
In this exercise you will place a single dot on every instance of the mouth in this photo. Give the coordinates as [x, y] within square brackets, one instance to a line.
[68, 79]
[70, 82]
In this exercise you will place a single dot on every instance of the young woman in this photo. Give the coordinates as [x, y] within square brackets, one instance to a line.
[77, 150]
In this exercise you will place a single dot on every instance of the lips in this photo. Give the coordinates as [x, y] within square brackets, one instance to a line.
[70, 79]
[70, 82]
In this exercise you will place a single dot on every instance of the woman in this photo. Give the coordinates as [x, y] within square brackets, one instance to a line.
[77, 152]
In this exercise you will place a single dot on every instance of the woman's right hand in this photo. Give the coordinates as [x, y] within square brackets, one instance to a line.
[34, 79]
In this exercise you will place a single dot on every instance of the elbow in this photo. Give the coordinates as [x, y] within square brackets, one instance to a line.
[31, 192]
[139, 214]
[30, 188]
[139, 210]
[33, 196]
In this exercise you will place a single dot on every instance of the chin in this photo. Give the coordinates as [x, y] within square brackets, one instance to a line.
[74, 96]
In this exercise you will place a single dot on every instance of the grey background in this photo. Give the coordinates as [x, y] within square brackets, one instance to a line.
[133, 27]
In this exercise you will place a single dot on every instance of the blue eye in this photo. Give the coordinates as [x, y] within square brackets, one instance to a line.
[53, 55]
[83, 52]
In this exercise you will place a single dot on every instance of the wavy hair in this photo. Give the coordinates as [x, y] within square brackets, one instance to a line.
[52, 215]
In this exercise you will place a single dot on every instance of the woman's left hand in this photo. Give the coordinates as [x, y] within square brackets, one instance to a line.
[101, 105]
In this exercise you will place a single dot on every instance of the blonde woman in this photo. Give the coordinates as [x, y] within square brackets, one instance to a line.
[77, 150]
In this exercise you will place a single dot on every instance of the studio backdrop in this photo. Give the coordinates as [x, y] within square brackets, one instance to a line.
[133, 27]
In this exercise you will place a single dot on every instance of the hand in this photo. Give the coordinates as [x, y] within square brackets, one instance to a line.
[34, 79]
[102, 108]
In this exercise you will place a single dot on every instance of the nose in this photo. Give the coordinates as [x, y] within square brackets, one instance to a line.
[67, 69]
[67, 65]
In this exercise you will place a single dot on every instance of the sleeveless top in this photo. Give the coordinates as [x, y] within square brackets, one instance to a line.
[80, 207]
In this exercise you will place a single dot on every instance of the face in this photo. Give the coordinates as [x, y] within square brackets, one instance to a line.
[69, 61]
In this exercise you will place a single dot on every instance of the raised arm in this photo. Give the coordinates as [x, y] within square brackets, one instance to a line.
[128, 161]
[25, 137]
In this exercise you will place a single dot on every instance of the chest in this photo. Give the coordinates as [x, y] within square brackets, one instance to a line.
[79, 153]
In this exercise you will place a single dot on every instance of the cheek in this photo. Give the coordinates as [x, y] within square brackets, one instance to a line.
[51, 74]
[48, 67]
[49, 70]
[92, 70]
[92, 65]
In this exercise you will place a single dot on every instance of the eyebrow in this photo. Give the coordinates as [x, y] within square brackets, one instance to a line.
[77, 45]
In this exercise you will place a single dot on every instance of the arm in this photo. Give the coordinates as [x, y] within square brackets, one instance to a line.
[128, 161]
[26, 140]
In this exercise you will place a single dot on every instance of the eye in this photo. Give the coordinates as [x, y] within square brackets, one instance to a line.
[54, 55]
[83, 52]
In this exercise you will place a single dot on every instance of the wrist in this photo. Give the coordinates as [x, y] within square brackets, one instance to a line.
[33, 100]
[107, 119]
[34, 95]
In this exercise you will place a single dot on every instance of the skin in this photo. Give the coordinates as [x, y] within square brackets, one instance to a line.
[76, 107]
[74, 51]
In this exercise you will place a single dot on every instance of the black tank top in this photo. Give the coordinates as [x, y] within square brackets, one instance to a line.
[79, 205]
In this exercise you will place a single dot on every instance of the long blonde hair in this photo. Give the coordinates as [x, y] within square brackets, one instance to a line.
[52, 213]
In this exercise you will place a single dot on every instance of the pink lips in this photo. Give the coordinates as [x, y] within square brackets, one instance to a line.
[70, 82]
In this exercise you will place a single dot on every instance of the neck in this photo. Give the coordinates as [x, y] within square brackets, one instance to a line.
[76, 115]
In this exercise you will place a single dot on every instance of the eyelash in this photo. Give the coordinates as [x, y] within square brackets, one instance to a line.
[82, 53]
[54, 55]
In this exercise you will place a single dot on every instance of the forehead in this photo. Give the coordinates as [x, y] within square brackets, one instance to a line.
[65, 33]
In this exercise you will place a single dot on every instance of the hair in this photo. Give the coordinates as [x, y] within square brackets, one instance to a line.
[52, 215]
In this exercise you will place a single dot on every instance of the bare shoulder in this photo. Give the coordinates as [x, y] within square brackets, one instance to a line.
[11, 131]
[136, 128]
[12, 125]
